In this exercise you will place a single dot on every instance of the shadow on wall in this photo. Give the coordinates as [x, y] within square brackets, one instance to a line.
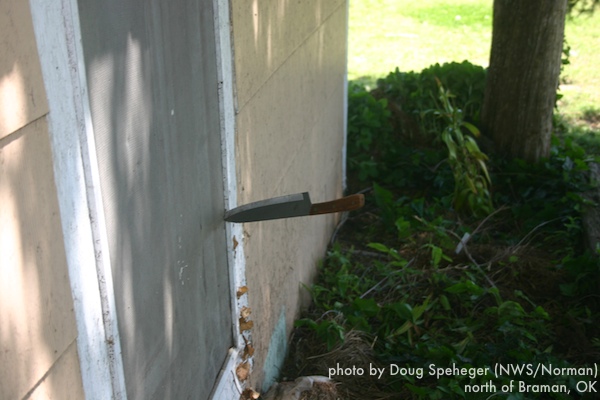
[151, 71]
[37, 327]
[290, 65]
[36, 310]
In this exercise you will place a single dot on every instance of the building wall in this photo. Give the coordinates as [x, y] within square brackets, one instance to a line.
[38, 350]
[290, 59]
[290, 63]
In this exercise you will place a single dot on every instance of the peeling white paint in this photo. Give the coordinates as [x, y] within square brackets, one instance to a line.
[58, 37]
[228, 386]
[181, 269]
[345, 133]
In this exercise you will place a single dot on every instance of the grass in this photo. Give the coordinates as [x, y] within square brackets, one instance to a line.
[385, 34]
[411, 35]
[581, 101]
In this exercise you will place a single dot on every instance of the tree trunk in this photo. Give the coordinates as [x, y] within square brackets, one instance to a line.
[522, 80]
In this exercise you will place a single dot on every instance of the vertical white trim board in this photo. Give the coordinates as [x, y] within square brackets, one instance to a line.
[228, 386]
[57, 31]
[345, 142]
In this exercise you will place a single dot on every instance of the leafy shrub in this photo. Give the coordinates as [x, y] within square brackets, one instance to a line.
[546, 195]
[413, 94]
[369, 133]
[468, 163]
[430, 316]
[409, 106]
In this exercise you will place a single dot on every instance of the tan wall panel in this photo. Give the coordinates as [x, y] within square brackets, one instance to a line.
[62, 383]
[289, 140]
[22, 95]
[266, 33]
[37, 323]
[288, 114]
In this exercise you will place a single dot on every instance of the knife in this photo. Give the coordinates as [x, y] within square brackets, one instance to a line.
[293, 205]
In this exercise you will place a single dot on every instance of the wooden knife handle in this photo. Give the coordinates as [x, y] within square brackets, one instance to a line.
[348, 203]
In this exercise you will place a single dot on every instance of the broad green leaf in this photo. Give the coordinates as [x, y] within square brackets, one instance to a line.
[472, 128]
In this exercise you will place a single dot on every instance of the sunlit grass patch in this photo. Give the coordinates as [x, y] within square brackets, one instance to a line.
[385, 34]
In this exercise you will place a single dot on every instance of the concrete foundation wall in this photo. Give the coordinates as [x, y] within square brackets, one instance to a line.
[38, 350]
[290, 63]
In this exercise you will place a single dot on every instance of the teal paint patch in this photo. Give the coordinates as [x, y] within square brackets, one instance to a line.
[276, 353]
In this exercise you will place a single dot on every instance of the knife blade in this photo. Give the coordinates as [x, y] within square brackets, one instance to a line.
[293, 205]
